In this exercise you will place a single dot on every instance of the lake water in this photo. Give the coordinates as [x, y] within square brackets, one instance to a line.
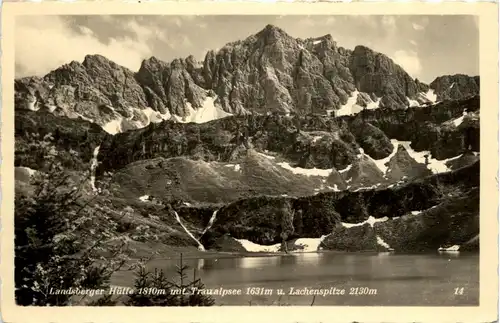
[367, 279]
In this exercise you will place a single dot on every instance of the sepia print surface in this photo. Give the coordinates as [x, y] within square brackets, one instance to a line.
[222, 160]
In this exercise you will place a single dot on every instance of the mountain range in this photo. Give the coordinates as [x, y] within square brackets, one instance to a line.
[343, 143]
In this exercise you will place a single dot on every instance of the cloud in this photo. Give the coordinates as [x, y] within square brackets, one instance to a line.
[368, 21]
[414, 43]
[177, 22]
[86, 31]
[417, 26]
[185, 41]
[409, 61]
[330, 21]
[389, 22]
[145, 32]
[307, 22]
[202, 25]
[421, 24]
[141, 32]
[43, 43]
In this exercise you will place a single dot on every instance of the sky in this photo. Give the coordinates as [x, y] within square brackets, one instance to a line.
[425, 46]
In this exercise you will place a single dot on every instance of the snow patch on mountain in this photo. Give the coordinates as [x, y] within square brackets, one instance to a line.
[93, 166]
[316, 138]
[373, 104]
[412, 103]
[236, 167]
[309, 244]
[345, 169]
[381, 163]
[305, 244]
[84, 118]
[142, 118]
[364, 188]
[208, 112]
[430, 95]
[306, 171]
[384, 244]
[113, 127]
[177, 217]
[155, 116]
[32, 104]
[436, 166]
[454, 248]
[351, 107]
[253, 247]
[371, 221]
[335, 188]
[210, 223]
[458, 121]
[51, 108]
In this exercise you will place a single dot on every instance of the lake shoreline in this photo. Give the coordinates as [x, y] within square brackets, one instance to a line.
[193, 253]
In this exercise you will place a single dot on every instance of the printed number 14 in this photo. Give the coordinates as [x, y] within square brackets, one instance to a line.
[459, 291]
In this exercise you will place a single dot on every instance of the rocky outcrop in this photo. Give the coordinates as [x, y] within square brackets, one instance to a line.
[455, 87]
[117, 99]
[437, 210]
[402, 166]
[170, 87]
[377, 74]
[454, 221]
[97, 90]
[97, 84]
[371, 139]
[432, 128]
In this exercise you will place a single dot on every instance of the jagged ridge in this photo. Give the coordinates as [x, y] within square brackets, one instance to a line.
[267, 72]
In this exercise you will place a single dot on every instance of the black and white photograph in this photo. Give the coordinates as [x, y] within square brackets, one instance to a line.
[247, 160]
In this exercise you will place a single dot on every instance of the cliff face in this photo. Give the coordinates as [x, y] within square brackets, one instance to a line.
[170, 87]
[378, 75]
[308, 142]
[272, 71]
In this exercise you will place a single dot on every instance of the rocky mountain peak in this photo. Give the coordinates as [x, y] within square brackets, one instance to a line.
[150, 62]
[455, 87]
[272, 32]
[377, 73]
[268, 72]
[177, 64]
[326, 41]
[98, 60]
